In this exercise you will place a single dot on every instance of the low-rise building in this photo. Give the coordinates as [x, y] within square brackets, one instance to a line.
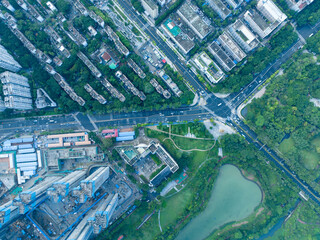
[35, 13]
[243, 36]
[172, 85]
[92, 31]
[112, 90]
[53, 34]
[129, 85]
[270, 10]
[199, 24]
[257, 23]
[234, 3]
[208, 67]
[160, 89]
[7, 5]
[179, 37]
[271, 17]
[94, 70]
[114, 37]
[231, 47]
[67, 140]
[94, 94]
[220, 8]
[76, 36]
[96, 18]
[66, 87]
[51, 6]
[22, 4]
[80, 7]
[221, 56]
[136, 68]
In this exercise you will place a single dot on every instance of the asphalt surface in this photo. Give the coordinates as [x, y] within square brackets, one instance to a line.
[214, 107]
[151, 31]
[236, 99]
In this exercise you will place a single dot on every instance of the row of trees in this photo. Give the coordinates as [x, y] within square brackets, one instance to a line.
[249, 68]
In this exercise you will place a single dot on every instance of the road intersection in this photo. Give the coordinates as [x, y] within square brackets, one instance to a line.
[223, 109]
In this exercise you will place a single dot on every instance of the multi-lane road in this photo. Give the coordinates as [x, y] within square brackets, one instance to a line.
[215, 107]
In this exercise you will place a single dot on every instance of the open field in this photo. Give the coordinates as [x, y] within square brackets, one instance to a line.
[175, 206]
[287, 146]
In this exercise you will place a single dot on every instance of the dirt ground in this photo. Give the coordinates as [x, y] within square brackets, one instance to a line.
[218, 129]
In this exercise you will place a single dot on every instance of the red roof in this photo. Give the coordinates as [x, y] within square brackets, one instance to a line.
[106, 56]
[164, 61]
[110, 133]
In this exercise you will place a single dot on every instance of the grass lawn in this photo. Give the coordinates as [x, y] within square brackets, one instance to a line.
[172, 191]
[189, 143]
[287, 145]
[129, 225]
[310, 160]
[198, 129]
[196, 157]
[175, 206]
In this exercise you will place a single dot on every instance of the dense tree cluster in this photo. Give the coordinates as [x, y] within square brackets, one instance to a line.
[309, 16]
[285, 118]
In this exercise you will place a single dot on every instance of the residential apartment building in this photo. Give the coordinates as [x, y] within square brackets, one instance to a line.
[7, 61]
[243, 36]
[16, 90]
[298, 5]
[151, 8]
[269, 18]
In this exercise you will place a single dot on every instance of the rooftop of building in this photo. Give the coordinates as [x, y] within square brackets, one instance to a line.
[236, 50]
[222, 55]
[151, 4]
[191, 15]
[272, 9]
[221, 6]
[258, 19]
[180, 35]
[244, 32]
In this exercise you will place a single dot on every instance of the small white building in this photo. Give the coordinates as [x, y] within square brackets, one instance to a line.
[51, 6]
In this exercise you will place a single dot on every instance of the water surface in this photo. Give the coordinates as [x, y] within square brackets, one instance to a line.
[233, 198]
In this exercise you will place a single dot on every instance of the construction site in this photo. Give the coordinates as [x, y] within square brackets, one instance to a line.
[74, 192]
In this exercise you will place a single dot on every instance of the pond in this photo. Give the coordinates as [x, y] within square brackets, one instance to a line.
[233, 198]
